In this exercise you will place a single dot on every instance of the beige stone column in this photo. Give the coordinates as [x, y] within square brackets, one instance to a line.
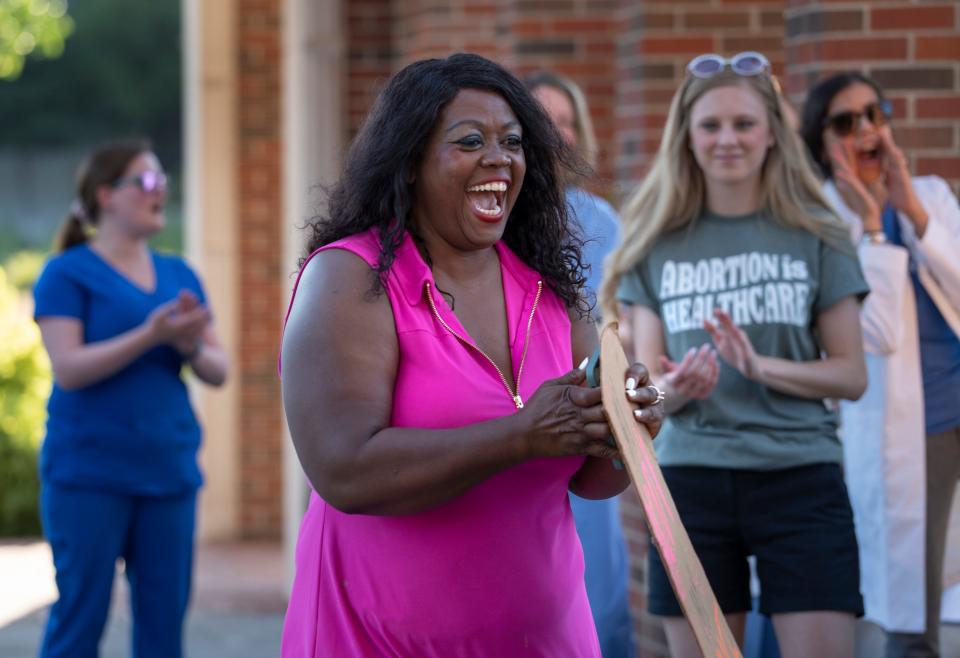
[209, 236]
[313, 111]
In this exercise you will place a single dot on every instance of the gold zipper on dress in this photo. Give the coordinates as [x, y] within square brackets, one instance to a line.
[515, 395]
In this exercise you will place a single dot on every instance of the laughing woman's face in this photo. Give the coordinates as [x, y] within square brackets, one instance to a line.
[471, 173]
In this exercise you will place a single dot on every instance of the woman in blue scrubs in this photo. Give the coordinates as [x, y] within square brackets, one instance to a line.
[118, 465]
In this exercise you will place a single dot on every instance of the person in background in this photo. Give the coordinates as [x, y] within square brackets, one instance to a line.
[598, 521]
[728, 240]
[902, 438]
[118, 464]
[431, 384]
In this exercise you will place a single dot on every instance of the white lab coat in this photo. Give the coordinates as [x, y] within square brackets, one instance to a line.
[884, 432]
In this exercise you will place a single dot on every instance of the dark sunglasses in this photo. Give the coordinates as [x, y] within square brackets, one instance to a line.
[845, 123]
[747, 63]
[148, 181]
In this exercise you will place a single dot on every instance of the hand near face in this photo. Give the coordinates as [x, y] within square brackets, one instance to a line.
[732, 344]
[852, 190]
[900, 189]
[695, 376]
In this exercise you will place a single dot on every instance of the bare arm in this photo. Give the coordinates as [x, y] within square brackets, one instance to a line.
[842, 373]
[340, 360]
[210, 363]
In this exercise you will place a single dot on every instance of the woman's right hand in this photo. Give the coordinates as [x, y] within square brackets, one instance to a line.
[853, 192]
[564, 418]
[695, 376]
[179, 321]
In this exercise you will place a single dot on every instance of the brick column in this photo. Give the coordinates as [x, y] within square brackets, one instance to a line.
[658, 38]
[258, 227]
[911, 47]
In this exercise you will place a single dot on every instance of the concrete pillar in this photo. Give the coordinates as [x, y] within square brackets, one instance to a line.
[209, 237]
[313, 116]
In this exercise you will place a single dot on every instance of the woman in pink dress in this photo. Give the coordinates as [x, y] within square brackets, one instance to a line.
[431, 385]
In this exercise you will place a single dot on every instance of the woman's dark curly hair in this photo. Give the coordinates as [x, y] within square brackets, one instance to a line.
[375, 189]
[817, 106]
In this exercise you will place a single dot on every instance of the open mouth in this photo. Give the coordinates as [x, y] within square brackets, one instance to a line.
[868, 157]
[488, 198]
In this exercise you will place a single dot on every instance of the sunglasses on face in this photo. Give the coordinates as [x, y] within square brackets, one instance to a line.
[845, 123]
[747, 63]
[148, 181]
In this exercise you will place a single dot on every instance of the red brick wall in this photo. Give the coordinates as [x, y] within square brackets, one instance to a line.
[577, 39]
[574, 37]
[259, 178]
[910, 47]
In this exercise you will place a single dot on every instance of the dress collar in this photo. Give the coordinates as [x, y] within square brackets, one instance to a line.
[411, 272]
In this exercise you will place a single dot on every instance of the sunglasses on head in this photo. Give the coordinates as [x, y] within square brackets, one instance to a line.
[747, 63]
[148, 181]
[845, 123]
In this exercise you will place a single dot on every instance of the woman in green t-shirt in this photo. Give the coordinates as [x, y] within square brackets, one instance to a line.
[730, 249]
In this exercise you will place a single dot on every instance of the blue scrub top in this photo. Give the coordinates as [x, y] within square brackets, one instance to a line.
[939, 347]
[134, 432]
[600, 230]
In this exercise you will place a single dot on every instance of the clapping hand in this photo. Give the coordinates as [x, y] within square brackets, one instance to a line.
[732, 344]
[695, 376]
[180, 322]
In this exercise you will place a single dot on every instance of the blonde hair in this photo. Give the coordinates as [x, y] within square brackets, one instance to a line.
[582, 123]
[673, 194]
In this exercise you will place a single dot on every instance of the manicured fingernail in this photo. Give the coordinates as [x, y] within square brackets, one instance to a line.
[583, 364]
[631, 383]
[631, 393]
[638, 414]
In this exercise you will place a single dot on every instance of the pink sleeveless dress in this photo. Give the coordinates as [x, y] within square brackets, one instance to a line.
[495, 573]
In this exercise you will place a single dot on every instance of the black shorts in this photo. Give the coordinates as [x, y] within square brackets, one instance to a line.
[797, 522]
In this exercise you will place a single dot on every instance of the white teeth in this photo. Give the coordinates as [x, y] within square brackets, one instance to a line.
[492, 212]
[489, 187]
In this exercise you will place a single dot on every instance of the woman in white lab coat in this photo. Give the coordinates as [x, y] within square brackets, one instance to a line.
[902, 438]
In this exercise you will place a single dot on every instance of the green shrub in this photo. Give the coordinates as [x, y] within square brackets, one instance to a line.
[24, 387]
[23, 268]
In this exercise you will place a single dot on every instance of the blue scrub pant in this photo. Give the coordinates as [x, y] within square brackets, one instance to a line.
[88, 531]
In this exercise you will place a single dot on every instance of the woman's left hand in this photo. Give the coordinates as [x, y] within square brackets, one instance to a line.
[899, 183]
[640, 390]
[732, 344]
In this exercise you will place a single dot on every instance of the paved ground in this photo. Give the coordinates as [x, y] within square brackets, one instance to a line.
[237, 610]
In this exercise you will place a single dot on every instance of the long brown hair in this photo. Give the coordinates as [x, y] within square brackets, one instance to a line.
[673, 194]
[104, 166]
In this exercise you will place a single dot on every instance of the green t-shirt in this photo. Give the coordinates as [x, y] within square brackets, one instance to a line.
[773, 281]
